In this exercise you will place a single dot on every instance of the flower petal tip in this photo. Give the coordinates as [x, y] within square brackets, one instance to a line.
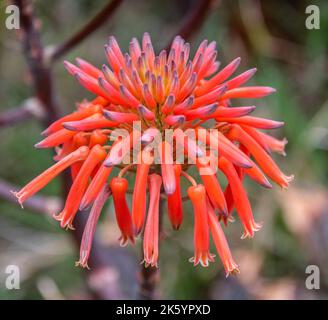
[169, 189]
[233, 271]
[287, 181]
[109, 163]
[267, 185]
[124, 240]
[176, 227]
[203, 260]
[82, 265]
[18, 197]
[39, 145]
[250, 233]
[45, 132]
[84, 206]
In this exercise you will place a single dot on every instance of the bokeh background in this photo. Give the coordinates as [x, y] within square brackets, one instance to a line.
[270, 35]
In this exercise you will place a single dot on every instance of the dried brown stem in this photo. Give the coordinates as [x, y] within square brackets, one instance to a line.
[34, 54]
[13, 116]
[99, 19]
[28, 109]
[149, 278]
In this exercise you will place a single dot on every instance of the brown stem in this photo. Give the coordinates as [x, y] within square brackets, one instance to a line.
[149, 278]
[193, 21]
[99, 19]
[34, 54]
[13, 116]
[28, 109]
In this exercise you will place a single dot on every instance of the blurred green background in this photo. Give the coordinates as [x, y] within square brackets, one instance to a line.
[269, 35]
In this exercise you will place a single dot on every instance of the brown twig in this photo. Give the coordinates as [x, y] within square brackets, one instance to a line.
[13, 116]
[149, 278]
[100, 18]
[34, 53]
[193, 21]
[28, 109]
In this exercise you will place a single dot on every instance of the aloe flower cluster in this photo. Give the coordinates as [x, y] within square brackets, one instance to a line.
[145, 95]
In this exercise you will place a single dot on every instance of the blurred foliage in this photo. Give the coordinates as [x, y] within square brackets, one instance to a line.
[270, 35]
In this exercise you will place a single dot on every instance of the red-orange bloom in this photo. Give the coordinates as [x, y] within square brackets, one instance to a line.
[138, 99]
[174, 201]
[220, 242]
[140, 190]
[96, 155]
[150, 243]
[119, 187]
[197, 195]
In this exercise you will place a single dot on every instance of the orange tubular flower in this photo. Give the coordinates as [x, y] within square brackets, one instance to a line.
[214, 191]
[119, 187]
[56, 138]
[174, 201]
[150, 244]
[96, 184]
[166, 158]
[240, 198]
[221, 243]
[96, 155]
[197, 195]
[140, 99]
[140, 191]
[83, 112]
[273, 144]
[44, 178]
[90, 227]
[265, 161]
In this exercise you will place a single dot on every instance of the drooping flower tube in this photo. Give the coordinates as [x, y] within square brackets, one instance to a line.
[197, 195]
[66, 217]
[140, 97]
[174, 201]
[220, 242]
[90, 227]
[119, 187]
[151, 235]
[240, 198]
[140, 190]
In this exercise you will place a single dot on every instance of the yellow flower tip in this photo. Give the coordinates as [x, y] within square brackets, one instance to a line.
[233, 271]
[290, 178]
[203, 260]
[256, 226]
[82, 265]
[123, 240]
[58, 217]
[69, 226]
[149, 263]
